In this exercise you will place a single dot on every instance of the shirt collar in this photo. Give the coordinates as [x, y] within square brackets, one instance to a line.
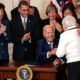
[22, 18]
[50, 43]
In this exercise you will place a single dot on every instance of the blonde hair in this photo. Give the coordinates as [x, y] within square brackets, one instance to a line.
[51, 7]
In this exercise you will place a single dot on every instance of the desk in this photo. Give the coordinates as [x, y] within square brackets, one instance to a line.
[43, 72]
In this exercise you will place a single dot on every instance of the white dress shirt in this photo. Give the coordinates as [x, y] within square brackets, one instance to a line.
[22, 18]
[69, 45]
[24, 24]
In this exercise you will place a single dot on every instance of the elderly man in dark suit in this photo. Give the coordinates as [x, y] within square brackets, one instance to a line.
[25, 33]
[46, 47]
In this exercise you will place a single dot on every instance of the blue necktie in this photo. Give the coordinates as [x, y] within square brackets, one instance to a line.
[51, 46]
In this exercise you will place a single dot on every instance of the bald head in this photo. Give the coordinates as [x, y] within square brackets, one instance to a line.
[48, 33]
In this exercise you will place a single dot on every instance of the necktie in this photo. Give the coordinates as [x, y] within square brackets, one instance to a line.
[51, 46]
[24, 24]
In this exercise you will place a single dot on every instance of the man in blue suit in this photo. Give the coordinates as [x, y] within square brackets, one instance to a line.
[47, 46]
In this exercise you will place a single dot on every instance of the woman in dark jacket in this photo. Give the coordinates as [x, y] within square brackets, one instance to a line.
[51, 12]
[4, 34]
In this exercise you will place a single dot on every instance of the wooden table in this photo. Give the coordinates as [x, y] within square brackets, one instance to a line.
[42, 72]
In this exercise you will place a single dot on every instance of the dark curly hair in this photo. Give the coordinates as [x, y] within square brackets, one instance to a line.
[70, 7]
[3, 8]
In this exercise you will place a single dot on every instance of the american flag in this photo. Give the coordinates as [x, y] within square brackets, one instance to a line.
[60, 4]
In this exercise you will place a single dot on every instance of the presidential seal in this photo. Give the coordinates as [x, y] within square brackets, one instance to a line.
[24, 73]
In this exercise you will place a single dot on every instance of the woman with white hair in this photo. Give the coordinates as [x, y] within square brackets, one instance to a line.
[69, 46]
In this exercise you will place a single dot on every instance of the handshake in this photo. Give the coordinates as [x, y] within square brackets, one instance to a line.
[52, 52]
[3, 29]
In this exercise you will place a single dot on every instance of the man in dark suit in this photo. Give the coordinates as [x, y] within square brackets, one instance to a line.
[46, 47]
[25, 33]
[32, 11]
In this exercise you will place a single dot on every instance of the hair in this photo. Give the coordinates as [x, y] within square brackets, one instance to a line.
[51, 7]
[23, 3]
[47, 26]
[3, 8]
[77, 2]
[69, 22]
[70, 7]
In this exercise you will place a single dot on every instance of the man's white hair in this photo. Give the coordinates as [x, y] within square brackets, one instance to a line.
[69, 22]
[47, 26]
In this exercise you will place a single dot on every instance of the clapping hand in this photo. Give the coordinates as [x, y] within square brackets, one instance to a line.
[3, 29]
[26, 37]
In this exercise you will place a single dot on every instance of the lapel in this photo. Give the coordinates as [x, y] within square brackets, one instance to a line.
[47, 21]
[20, 24]
[27, 25]
[55, 43]
[3, 21]
[46, 45]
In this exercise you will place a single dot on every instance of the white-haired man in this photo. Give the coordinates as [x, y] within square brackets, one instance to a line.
[46, 47]
[69, 46]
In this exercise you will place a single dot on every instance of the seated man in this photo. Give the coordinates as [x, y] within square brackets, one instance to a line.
[46, 46]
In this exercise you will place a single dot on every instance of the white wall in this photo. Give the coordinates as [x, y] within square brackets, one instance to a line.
[40, 4]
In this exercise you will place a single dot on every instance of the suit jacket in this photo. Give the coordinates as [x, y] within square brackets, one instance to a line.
[4, 41]
[47, 22]
[15, 13]
[25, 50]
[41, 52]
[42, 49]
